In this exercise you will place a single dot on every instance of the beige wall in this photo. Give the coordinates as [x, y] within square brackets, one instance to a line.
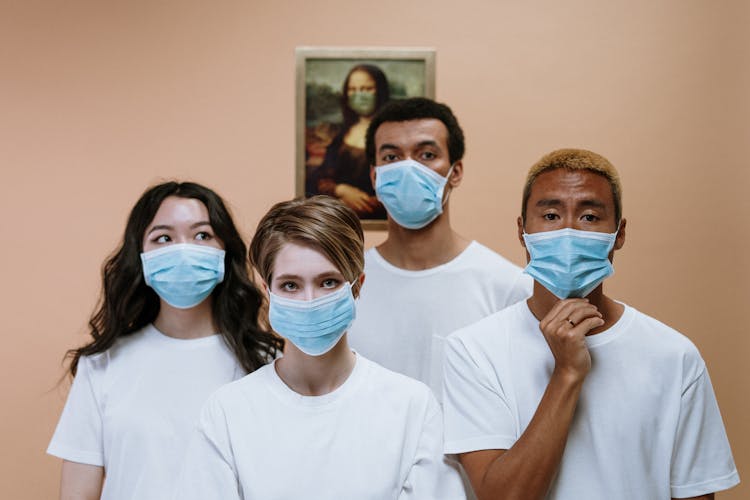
[100, 99]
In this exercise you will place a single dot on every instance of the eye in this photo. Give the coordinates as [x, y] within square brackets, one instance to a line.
[590, 217]
[428, 155]
[203, 236]
[550, 216]
[289, 286]
[389, 157]
[163, 239]
[330, 283]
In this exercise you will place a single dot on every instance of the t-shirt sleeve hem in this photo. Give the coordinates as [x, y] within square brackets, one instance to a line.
[74, 455]
[713, 485]
[479, 443]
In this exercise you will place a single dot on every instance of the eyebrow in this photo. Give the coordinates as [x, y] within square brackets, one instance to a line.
[552, 202]
[428, 142]
[166, 227]
[319, 276]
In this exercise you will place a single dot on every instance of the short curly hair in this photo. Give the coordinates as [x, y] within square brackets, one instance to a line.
[417, 108]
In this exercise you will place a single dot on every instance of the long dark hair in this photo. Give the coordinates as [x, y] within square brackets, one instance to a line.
[127, 304]
[382, 93]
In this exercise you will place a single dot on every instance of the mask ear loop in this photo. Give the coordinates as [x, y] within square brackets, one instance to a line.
[447, 178]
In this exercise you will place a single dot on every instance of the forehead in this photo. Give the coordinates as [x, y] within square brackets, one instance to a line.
[571, 186]
[361, 77]
[174, 210]
[301, 260]
[409, 133]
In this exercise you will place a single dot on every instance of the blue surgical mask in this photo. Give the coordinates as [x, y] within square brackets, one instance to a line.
[363, 103]
[569, 262]
[411, 193]
[314, 326]
[183, 274]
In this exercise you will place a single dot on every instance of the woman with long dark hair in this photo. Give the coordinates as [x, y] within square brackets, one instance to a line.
[177, 318]
[322, 421]
[345, 171]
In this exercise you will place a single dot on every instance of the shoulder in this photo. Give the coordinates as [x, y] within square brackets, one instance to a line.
[479, 254]
[373, 258]
[395, 386]
[667, 345]
[123, 349]
[245, 388]
[489, 329]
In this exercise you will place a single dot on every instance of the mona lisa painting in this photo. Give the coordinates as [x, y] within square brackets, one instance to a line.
[338, 92]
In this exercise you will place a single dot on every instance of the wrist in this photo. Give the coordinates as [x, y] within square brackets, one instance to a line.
[569, 376]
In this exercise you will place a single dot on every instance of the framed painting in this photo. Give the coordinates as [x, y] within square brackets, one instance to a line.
[338, 90]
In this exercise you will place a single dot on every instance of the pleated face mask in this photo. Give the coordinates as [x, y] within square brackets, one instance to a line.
[183, 274]
[569, 262]
[313, 326]
[411, 192]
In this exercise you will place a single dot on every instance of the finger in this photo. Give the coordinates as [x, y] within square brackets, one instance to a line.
[579, 314]
[587, 325]
[554, 313]
[563, 309]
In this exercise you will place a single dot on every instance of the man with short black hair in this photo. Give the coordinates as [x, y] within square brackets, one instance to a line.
[425, 280]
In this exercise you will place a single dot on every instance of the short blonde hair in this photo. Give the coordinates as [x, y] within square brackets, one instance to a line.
[321, 222]
[575, 159]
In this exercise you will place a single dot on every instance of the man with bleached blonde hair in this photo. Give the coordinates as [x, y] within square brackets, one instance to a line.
[571, 394]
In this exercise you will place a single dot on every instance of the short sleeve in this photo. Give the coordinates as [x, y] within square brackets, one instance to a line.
[521, 289]
[702, 459]
[208, 470]
[477, 416]
[432, 476]
[78, 437]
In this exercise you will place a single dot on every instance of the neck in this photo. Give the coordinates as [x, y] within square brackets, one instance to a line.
[418, 249]
[190, 323]
[316, 375]
[542, 300]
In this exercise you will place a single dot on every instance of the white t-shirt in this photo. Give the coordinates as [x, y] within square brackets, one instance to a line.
[404, 316]
[378, 436]
[132, 408]
[647, 424]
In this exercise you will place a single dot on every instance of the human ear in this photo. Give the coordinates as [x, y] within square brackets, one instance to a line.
[359, 282]
[620, 239]
[456, 175]
[519, 223]
[372, 175]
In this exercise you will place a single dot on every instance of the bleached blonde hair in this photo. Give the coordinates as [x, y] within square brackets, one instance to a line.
[575, 159]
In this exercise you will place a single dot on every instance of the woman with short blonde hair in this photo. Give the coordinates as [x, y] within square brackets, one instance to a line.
[322, 421]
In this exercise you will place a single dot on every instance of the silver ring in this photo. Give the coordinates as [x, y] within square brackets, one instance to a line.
[571, 322]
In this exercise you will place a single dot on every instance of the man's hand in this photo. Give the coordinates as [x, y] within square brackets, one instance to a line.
[565, 328]
[527, 469]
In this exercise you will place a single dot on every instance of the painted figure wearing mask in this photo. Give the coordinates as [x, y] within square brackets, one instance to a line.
[345, 171]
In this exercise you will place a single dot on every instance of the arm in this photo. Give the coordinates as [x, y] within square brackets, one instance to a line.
[81, 481]
[431, 476]
[208, 468]
[710, 496]
[526, 470]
